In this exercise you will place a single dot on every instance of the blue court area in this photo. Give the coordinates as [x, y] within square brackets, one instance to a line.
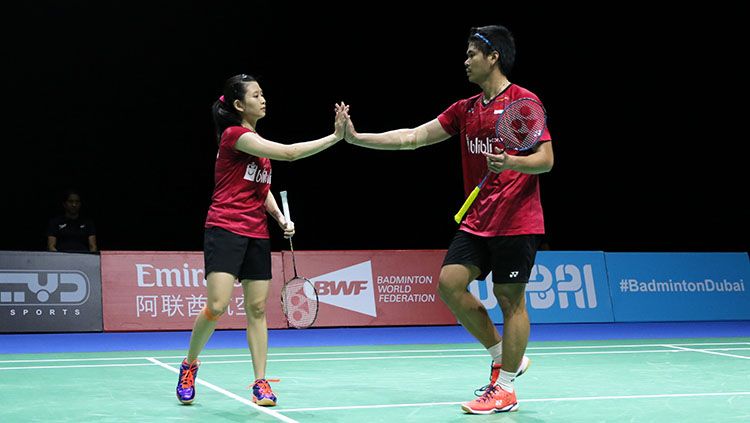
[176, 340]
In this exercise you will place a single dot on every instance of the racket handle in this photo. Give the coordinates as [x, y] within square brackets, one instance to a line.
[285, 206]
[469, 200]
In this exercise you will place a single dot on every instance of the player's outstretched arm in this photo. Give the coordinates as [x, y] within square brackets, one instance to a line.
[252, 143]
[399, 139]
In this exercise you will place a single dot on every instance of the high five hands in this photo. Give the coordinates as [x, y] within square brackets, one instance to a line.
[342, 117]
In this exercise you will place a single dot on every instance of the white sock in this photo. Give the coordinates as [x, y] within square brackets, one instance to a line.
[506, 380]
[496, 351]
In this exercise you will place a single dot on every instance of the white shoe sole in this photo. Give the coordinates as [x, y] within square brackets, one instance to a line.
[469, 410]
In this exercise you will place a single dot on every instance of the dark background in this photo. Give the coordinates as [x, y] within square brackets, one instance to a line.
[114, 99]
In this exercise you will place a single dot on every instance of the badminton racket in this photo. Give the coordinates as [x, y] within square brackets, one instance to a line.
[519, 127]
[299, 299]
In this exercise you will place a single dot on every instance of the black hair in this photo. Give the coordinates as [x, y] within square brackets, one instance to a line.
[224, 113]
[495, 38]
[68, 192]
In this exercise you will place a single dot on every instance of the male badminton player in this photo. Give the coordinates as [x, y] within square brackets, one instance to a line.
[501, 230]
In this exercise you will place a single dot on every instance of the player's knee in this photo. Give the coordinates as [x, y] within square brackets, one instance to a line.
[214, 311]
[255, 309]
[511, 305]
[448, 292]
[512, 311]
[443, 288]
[448, 287]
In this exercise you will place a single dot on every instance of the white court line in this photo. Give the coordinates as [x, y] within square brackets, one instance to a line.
[416, 357]
[73, 366]
[461, 349]
[55, 360]
[296, 354]
[227, 393]
[596, 398]
[412, 357]
[76, 366]
[707, 351]
[404, 357]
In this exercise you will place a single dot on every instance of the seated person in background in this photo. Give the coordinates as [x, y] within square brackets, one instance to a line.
[70, 232]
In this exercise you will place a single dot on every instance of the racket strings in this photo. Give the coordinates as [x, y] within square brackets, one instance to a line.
[521, 124]
[300, 302]
[299, 299]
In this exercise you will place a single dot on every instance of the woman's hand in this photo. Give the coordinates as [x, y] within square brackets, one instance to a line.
[288, 228]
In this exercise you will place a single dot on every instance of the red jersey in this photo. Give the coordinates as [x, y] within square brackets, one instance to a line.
[242, 182]
[509, 202]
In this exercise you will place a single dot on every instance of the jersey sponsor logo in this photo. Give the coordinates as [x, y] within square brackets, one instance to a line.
[62, 225]
[254, 174]
[351, 288]
[43, 288]
[479, 146]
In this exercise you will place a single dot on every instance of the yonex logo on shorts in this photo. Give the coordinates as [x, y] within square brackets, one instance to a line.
[43, 288]
[513, 274]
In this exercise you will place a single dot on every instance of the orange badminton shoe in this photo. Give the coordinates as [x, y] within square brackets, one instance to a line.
[493, 400]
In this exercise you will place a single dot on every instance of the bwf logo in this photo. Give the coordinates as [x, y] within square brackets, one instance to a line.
[351, 288]
[340, 287]
[43, 288]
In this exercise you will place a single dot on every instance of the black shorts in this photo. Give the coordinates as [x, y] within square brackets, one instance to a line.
[510, 258]
[243, 257]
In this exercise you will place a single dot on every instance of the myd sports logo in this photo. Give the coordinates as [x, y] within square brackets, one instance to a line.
[43, 288]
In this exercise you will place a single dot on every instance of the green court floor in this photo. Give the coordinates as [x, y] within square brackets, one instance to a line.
[671, 380]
